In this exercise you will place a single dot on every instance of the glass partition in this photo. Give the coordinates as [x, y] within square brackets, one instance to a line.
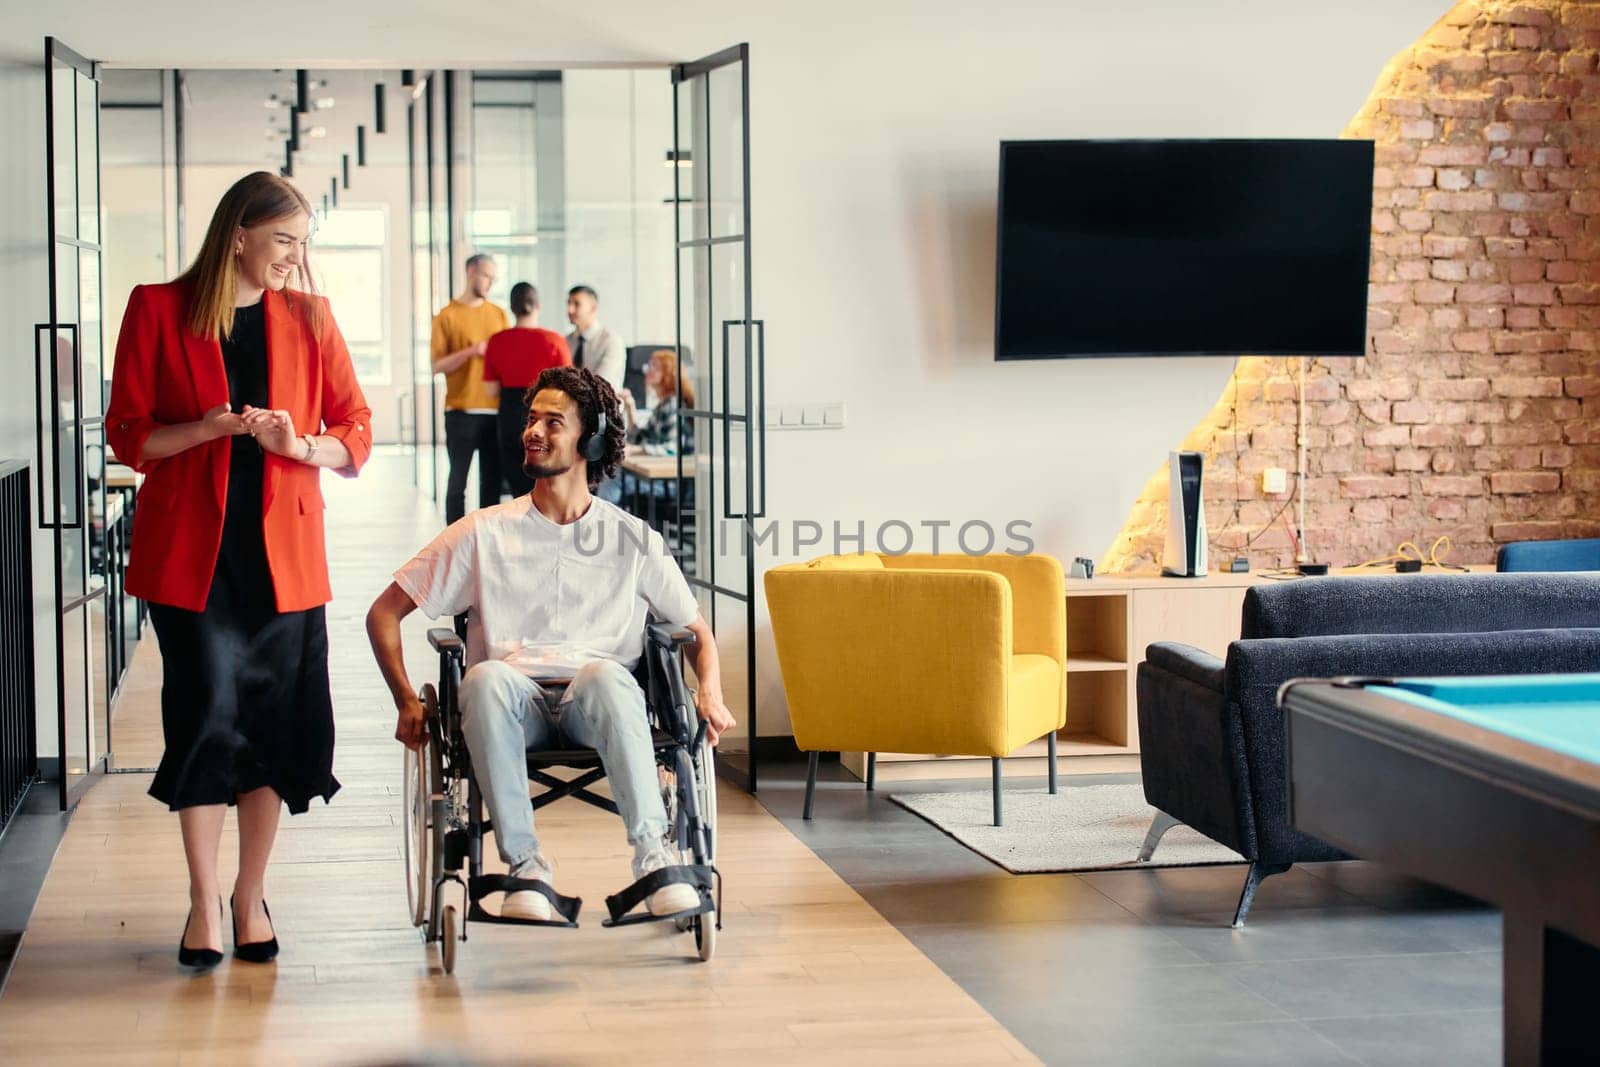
[69, 388]
[716, 324]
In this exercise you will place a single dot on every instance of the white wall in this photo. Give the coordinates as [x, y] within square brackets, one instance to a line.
[874, 146]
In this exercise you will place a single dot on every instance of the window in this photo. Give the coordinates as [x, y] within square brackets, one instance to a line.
[352, 272]
[518, 188]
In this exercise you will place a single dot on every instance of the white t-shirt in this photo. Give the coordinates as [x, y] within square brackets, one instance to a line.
[548, 598]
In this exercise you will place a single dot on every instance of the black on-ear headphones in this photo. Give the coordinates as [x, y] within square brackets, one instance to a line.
[593, 446]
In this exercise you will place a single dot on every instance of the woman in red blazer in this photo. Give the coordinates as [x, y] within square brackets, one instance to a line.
[230, 390]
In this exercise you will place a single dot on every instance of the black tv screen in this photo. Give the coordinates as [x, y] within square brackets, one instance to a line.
[1183, 248]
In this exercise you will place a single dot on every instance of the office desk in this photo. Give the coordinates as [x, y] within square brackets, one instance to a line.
[652, 468]
[1490, 786]
[120, 477]
[641, 474]
[124, 482]
[108, 560]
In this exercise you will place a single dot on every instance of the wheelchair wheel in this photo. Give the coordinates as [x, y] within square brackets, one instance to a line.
[696, 780]
[416, 811]
[705, 784]
[450, 934]
[422, 810]
[705, 934]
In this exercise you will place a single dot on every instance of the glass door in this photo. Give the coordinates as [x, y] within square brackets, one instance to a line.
[70, 399]
[722, 468]
[422, 379]
[427, 148]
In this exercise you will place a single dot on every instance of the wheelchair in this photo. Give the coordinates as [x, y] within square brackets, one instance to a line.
[443, 817]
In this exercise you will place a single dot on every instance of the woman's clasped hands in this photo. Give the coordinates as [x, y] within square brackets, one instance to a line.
[273, 430]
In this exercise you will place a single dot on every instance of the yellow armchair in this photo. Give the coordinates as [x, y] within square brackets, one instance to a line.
[955, 655]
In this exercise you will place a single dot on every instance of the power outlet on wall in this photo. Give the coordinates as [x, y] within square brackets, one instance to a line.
[1274, 480]
[825, 415]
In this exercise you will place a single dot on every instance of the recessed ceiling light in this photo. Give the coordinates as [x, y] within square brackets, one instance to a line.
[317, 131]
[324, 103]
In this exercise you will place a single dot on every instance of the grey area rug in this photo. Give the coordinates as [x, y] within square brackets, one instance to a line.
[1081, 828]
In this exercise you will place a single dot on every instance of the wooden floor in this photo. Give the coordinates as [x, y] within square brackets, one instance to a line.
[136, 718]
[805, 972]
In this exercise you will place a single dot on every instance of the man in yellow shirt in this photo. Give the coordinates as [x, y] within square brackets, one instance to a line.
[461, 332]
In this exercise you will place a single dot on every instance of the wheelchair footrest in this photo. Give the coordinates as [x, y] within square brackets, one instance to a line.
[488, 884]
[698, 875]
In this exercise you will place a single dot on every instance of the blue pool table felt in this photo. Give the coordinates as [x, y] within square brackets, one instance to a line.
[1560, 712]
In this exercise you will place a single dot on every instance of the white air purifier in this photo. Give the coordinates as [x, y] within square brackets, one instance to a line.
[1185, 553]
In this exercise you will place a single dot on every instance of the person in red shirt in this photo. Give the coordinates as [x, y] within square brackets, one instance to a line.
[511, 364]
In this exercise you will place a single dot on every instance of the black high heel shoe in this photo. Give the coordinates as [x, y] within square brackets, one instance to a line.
[254, 951]
[204, 958]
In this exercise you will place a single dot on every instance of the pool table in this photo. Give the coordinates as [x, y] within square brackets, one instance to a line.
[1489, 786]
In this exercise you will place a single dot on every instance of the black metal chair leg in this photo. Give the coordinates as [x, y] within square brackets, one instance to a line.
[1050, 742]
[872, 771]
[811, 782]
[1253, 878]
[995, 762]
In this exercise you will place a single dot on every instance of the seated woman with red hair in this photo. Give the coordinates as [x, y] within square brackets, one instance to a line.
[660, 432]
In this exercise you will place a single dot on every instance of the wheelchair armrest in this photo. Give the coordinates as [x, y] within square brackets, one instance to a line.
[666, 637]
[445, 640]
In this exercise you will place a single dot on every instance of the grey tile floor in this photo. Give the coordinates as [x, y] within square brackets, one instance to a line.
[1340, 962]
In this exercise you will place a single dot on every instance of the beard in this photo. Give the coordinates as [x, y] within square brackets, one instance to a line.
[544, 467]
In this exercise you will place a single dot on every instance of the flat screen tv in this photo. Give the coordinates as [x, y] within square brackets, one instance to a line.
[1183, 247]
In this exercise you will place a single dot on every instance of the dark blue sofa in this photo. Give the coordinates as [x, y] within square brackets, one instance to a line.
[1210, 733]
[1582, 554]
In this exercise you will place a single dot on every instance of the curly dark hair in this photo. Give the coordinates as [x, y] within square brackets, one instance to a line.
[592, 394]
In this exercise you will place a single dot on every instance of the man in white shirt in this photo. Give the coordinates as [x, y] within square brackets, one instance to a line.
[558, 584]
[593, 345]
[599, 349]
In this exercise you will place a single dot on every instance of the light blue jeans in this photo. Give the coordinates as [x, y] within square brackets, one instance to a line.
[504, 715]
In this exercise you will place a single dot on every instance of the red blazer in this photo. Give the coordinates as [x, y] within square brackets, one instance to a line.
[165, 374]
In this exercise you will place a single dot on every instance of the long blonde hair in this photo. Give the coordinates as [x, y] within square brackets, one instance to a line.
[213, 277]
[665, 361]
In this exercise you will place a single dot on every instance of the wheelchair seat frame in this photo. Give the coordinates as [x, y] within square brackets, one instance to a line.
[444, 820]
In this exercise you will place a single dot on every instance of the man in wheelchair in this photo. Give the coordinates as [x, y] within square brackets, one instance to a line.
[556, 586]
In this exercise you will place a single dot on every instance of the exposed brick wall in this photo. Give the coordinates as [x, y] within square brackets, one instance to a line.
[1474, 413]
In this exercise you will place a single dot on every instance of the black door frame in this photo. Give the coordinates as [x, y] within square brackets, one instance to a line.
[709, 516]
[57, 53]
